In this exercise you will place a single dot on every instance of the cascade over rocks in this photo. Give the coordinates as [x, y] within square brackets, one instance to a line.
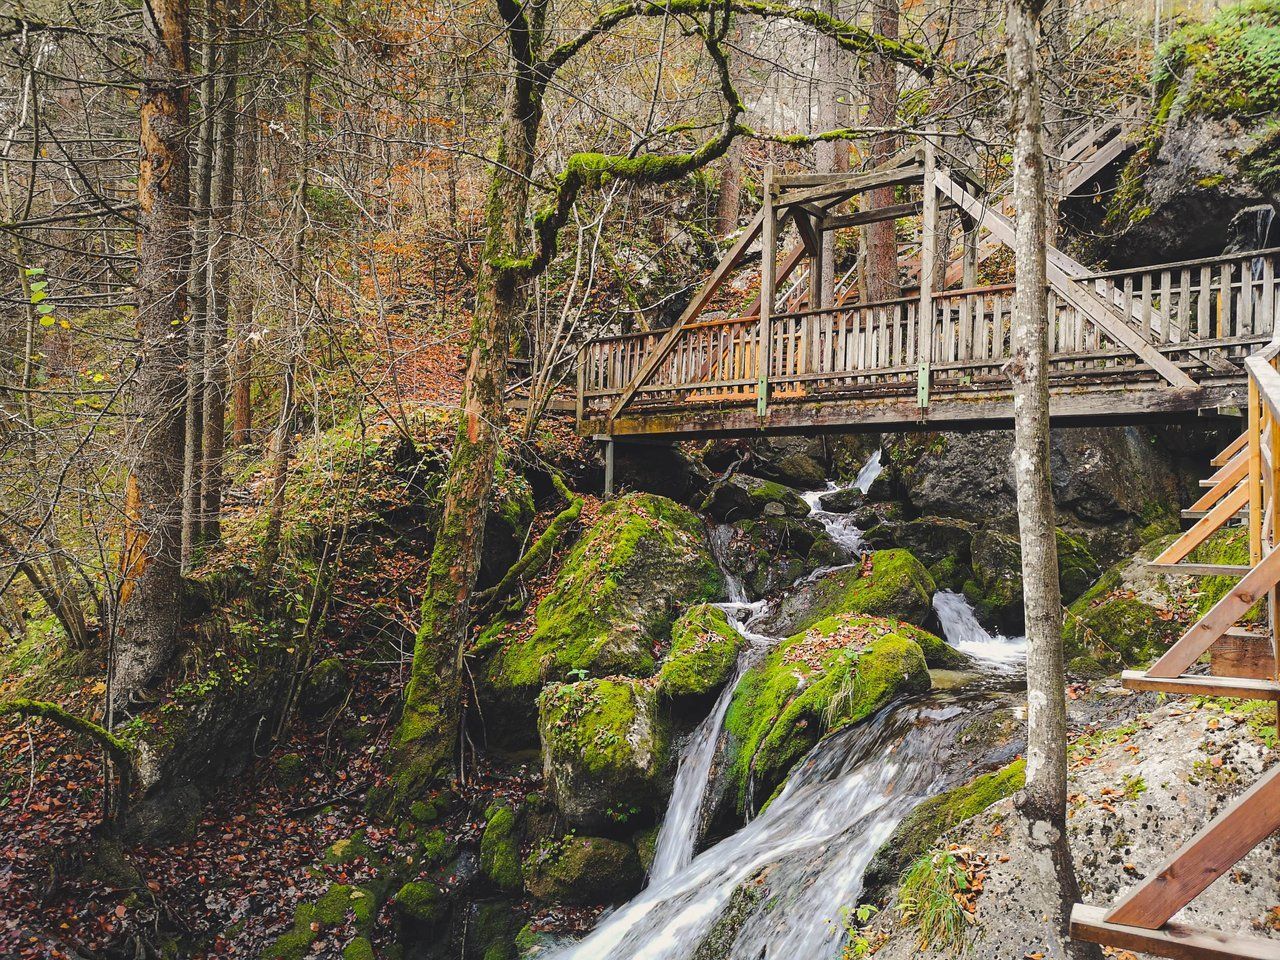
[744, 497]
[771, 553]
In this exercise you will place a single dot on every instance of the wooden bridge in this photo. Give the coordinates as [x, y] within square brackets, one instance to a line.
[1244, 663]
[1126, 344]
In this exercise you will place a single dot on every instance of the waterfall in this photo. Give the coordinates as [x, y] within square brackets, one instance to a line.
[681, 827]
[816, 838]
[962, 630]
[869, 472]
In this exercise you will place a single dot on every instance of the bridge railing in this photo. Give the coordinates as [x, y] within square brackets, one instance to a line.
[1206, 315]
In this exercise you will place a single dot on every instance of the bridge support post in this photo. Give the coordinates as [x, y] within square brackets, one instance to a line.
[608, 468]
[768, 266]
[928, 261]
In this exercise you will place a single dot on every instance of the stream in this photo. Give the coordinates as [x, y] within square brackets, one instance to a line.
[840, 803]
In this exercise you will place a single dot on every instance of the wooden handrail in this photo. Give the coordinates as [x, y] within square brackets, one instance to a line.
[1180, 264]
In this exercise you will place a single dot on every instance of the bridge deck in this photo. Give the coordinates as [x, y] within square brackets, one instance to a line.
[877, 366]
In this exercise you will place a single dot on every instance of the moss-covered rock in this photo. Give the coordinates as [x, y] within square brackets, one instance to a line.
[743, 497]
[895, 584]
[606, 751]
[996, 590]
[643, 560]
[290, 769]
[942, 544]
[324, 689]
[917, 834]
[583, 870]
[422, 903]
[704, 650]
[837, 673]
[358, 949]
[500, 849]
[771, 553]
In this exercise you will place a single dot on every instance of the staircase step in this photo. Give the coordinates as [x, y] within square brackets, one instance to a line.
[1201, 569]
[1239, 687]
[1173, 940]
[1200, 514]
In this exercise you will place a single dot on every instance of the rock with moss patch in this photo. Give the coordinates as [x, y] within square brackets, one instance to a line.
[347, 850]
[996, 589]
[917, 834]
[358, 949]
[583, 870]
[942, 544]
[895, 585]
[606, 751]
[500, 849]
[744, 497]
[325, 688]
[290, 769]
[835, 674]
[422, 903]
[644, 559]
[704, 650]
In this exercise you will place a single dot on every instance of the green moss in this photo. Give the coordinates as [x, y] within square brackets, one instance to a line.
[897, 586]
[422, 901]
[290, 770]
[1228, 546]
[358, 949]
[920, 831]
[437, 847]
[997, 567]
[331, 909]
[837, 673]
[704, 649]
[615, 596]
[347, 850]
[422, 812]
[500, 849]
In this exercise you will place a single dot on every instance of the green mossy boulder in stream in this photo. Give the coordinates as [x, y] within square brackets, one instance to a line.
[836, 673]
[894, 584]
[704, 649]
[610, 607]
[772, 552]
[583, 870]
[500, 849]
[606, 751]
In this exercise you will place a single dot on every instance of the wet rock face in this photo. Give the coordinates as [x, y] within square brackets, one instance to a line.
[806, 463]
[583, 870]
[773, 552]
[744, 497]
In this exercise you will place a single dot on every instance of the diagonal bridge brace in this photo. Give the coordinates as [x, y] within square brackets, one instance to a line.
[1098, 310]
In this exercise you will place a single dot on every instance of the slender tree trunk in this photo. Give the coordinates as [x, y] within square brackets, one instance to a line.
[826, 155]
[214, 413]
[882, 278]
[729, 196]
[241, 374]
[151, 608]
[295, 345]
[1044, 801]
[199, 281]
[427, 739]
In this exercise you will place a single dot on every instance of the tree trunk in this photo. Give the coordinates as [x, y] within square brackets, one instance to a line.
[826, 155]
[1044, 801]
[151, 608]
[427, 738]
[882, 278]
[241, 362]
[214, 413]
[729, 198]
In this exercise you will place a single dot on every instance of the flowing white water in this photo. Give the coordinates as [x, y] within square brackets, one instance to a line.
[869, 472]
[816, 838]
[963, 631]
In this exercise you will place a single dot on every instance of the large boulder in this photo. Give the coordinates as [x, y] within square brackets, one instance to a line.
[835, 674]
[704, 651]
[806, 463]
[583, 870]
[942, 544]
[892, 583]
[610, 608]
[744, 497]
[1210, 148]
[606, 751]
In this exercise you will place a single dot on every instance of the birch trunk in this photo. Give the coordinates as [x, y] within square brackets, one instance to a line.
[1044, 801]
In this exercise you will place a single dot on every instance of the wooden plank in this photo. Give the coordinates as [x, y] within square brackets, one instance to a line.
[1230, 450]
[769, 244]
[1242, 688]
[854, 183]
[1173, 940]
[1232, 475]
[893, 211]
[1223, 615]
[1223, 511]
[1200, 569]
[1246, 822]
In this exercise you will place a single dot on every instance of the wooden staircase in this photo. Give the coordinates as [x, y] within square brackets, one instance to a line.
[1248, 479]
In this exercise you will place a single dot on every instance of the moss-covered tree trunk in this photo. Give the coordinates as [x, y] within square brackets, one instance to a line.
[151, 610]
[1044, 801]
[426, 741]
